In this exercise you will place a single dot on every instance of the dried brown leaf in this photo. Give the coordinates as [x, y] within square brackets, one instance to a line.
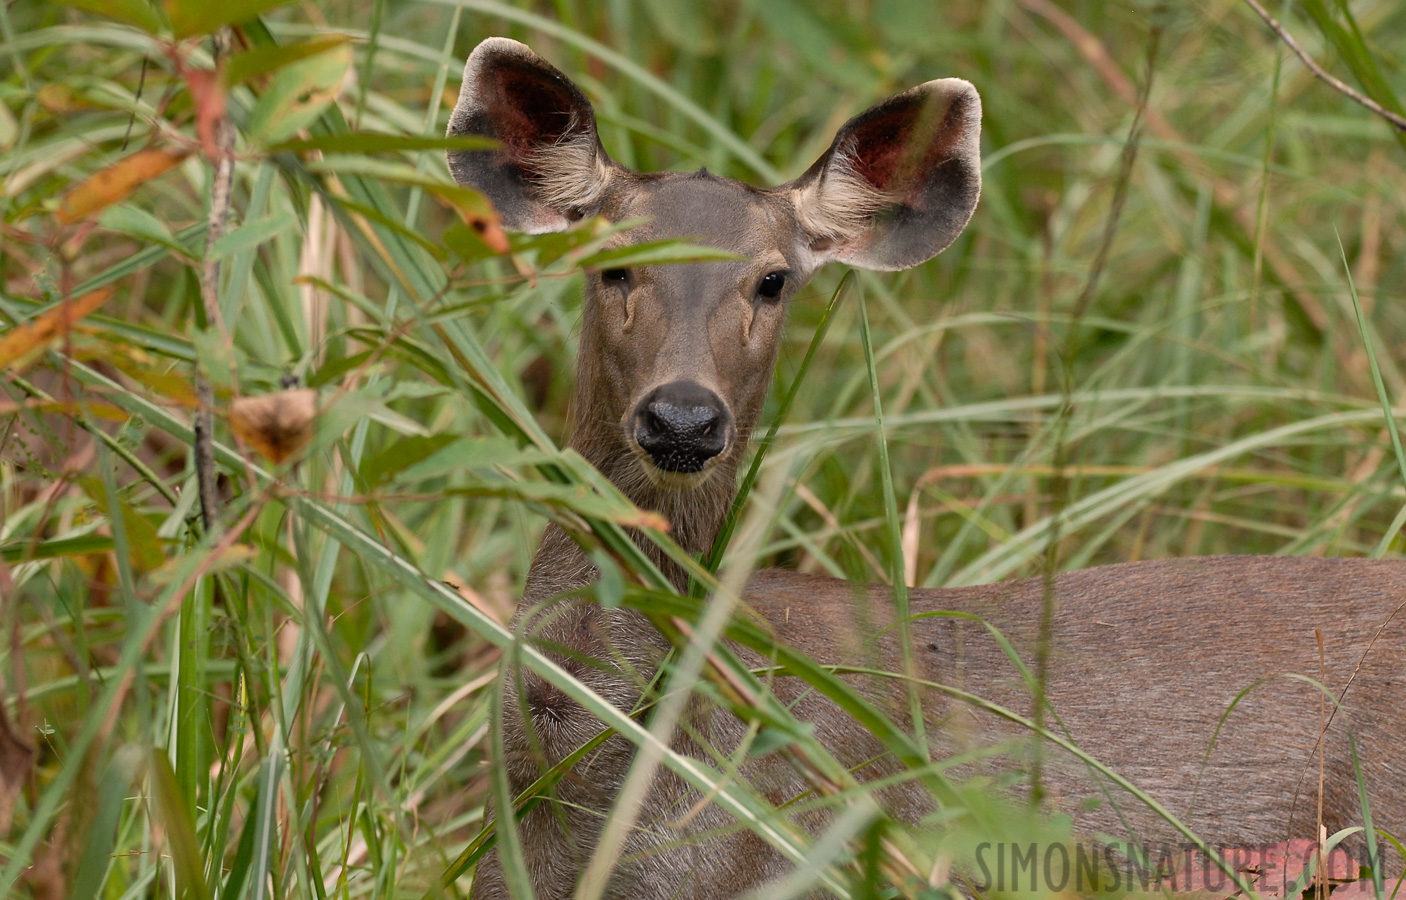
[113, 184]
[36, 332]
[276, 425]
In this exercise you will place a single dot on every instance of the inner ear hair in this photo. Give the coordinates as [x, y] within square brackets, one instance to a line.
[570, 174]
[838, 206]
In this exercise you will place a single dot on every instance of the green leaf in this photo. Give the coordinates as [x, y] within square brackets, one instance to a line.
[191, 18]
[298, 95]
[259, 61]
[772, 738]
[131, 219]
[251, 235]
[469, 453]
[465, 199]
[216, 358]
[379, 467]
[143, 544]
[655, 252]
[87, 545]
[466, 243]
[610, 586]
[376, 142]
[132, 12]
[97, 848]
[353, 407]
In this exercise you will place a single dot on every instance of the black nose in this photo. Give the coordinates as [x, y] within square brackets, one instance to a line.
[681, 426]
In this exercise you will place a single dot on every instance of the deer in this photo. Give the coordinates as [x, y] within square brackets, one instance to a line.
[1146, 658]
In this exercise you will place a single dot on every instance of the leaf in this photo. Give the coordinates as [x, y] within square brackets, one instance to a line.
[9, 128]
[251, 235]
[219, 560]
[476, 212]
[143, 543]
[298, 95]
[382, 466]
[107, 186]
[217, 357]
[468, 453]
[85, 545]
[654, 252]
[610, 586]
[376, 142]
[818, 43]
[96, 852]
[354, 407]
[57, 321]
[133, 12]
[261, 61]
[472, 206]
[190, 18]
[211, 101]
[277, 425]
[467, 243]
[770, 739]
[179, 829]
[131, 219]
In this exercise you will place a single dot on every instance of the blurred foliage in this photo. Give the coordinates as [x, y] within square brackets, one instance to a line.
[296, 704]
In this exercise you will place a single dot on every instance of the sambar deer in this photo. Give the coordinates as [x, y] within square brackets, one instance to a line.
[675, 362]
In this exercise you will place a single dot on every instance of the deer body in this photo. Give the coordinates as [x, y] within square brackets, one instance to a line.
[674, 366]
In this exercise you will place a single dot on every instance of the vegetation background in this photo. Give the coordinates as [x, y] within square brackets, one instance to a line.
[1171, 329]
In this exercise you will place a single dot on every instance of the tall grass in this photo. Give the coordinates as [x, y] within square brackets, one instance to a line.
[297, 702]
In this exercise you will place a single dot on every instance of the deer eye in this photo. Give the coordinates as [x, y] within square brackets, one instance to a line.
[771, 285]
[615, 276]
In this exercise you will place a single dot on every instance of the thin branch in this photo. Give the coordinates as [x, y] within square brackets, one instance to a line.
[210, 301]
[1397, 122]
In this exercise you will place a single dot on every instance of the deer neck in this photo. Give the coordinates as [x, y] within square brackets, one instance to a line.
[695, 516]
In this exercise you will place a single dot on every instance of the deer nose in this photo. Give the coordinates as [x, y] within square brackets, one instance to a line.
[681, 426]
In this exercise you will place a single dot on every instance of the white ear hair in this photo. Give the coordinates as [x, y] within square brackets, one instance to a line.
[838, 206]
[570, 174]
[549, 169]
[899, 182]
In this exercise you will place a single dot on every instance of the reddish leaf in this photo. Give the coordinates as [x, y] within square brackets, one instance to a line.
[207, 93]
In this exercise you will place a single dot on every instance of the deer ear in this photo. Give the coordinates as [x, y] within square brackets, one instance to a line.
[550, 169]
[900, 181]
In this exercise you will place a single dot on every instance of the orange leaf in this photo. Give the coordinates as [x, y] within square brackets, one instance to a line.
[102, 189]
[53, 323]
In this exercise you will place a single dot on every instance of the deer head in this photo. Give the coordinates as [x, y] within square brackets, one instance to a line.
[676, 360]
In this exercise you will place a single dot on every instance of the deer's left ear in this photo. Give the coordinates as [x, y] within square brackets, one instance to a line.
[550, 169]
[899, 182]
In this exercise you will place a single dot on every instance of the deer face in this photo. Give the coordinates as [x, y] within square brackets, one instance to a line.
[676, 359]
[680, 355]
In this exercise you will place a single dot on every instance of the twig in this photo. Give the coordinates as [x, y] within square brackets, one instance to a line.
[210, 301]
[1397, 122]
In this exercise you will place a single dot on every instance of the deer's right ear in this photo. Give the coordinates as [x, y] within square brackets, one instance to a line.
[550, 169]
[899, 182]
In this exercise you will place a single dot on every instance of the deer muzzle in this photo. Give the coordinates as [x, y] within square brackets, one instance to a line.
[681, 427]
